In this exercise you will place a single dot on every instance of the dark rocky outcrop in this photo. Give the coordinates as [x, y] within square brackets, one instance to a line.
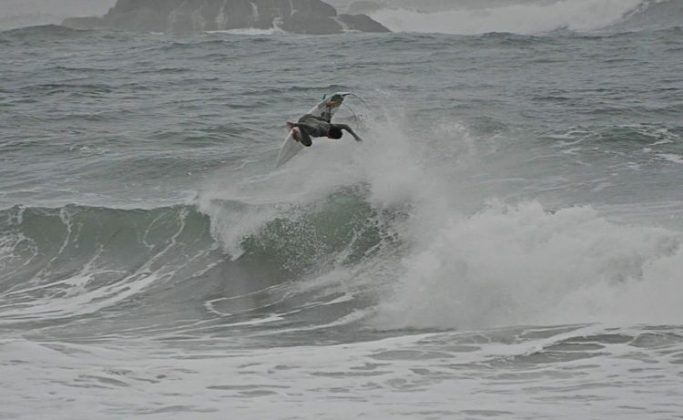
[362, 23]
[186, 16]
[83, 22]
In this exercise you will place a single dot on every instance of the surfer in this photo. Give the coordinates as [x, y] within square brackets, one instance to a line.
[316, 123]
[312, 126]
[321, 126]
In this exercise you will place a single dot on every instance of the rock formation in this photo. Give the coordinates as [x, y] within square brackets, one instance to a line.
[187, 16]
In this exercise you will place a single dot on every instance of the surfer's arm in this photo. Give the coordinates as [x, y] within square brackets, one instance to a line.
[347, 128]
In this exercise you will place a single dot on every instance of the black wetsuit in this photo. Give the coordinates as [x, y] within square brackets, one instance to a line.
[312, 126]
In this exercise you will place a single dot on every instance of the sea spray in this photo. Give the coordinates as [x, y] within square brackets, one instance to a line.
[575, 15]
[522, 264]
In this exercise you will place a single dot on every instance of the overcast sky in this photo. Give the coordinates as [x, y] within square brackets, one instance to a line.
[49, 11]
[60, 8]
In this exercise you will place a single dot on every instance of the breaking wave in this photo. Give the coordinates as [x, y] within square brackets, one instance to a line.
[68, 262]
[380, 235]
[538, 18]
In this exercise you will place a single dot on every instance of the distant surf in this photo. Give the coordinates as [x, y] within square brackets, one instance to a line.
[536, 18]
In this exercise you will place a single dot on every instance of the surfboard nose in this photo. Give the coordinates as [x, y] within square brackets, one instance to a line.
[337, 98]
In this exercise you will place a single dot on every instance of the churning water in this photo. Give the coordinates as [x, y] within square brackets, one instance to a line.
[505, 243]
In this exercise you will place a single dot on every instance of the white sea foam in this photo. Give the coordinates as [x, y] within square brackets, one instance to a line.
[577, 15]
[505, 264]
[248, 31]
[511, 264]
[454, 374]
[672, 157]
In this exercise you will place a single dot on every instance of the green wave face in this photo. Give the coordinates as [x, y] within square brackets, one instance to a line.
[341, 229]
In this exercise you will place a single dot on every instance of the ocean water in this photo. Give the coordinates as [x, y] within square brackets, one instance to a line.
[507, 242]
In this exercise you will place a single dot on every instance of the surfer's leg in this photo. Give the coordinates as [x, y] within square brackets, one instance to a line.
[305, 131]
[304, 138]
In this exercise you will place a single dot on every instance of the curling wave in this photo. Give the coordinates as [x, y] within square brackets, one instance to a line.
[61, 263]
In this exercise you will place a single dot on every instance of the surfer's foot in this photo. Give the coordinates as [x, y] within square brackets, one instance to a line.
[303, 139]
[296, 134]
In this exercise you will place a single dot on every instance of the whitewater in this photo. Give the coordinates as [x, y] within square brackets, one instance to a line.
[507, 242]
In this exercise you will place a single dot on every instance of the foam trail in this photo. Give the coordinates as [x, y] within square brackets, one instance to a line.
[576, 15]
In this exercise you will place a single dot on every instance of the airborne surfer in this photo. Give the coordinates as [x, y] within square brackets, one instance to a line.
[321, 126]
[316, 123]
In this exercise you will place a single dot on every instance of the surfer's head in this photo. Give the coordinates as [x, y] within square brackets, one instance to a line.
[334, 133]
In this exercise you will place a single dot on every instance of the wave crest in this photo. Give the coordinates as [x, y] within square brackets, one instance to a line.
[535, 18]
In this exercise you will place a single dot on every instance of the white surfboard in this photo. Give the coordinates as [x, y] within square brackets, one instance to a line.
[325, 109]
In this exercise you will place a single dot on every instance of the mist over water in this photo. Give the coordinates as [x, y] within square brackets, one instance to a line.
[526, 18]
[505, 242]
